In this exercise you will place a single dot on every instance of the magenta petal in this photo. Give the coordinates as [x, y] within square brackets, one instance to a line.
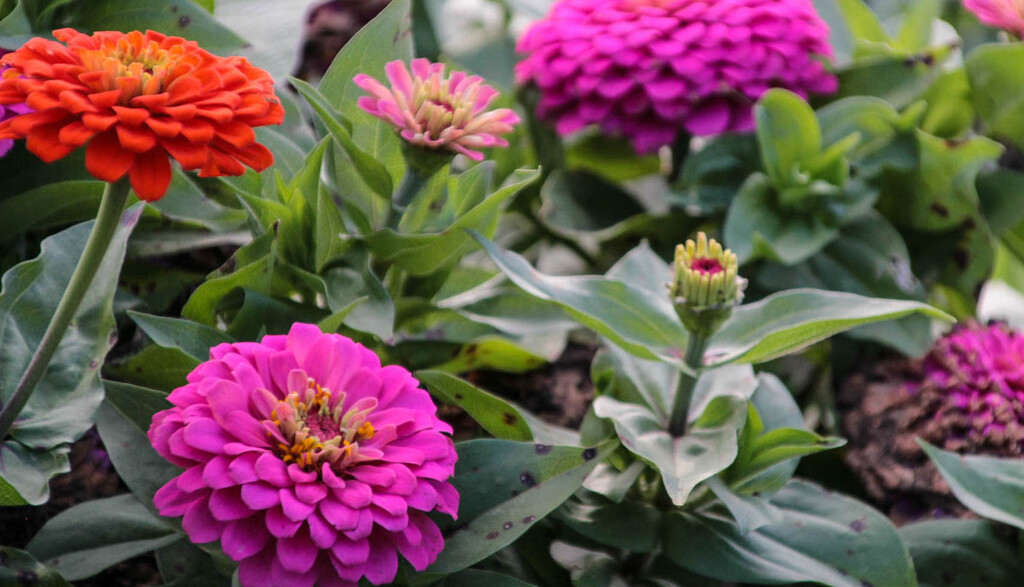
[297, 554]
[340, 516]
[280, 525]
[200, 526]
[244, 538]
[382, 565]
[293, 508]
[227, 504]
[351, 552]
[272, 470]
[260, 496]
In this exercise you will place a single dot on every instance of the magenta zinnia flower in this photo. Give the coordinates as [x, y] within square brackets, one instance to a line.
[647, 69]
[9, 111]
[310, 462]
[432, 110]
[981, 371]
[1004, 14]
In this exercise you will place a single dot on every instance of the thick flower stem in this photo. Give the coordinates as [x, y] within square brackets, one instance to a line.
[684, 391]
[114, 198]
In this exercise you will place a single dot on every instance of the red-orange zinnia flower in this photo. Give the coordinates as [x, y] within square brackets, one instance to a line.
[134, 100]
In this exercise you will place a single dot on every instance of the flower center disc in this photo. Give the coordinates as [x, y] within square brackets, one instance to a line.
[707, 265]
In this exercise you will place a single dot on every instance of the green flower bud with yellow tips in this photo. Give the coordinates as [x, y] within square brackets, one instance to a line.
[706, 283]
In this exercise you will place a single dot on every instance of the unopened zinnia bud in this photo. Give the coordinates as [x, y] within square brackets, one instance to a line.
[706, 275]
[437, 111]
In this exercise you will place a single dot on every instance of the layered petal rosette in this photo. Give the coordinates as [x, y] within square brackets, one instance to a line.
[437, 111]
[136, 100]
[648, 69]
[308, 460]
[1002, 14]
[9, 111]
[979, 374]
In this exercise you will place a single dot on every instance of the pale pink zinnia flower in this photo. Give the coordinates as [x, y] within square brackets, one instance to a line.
[647, 69]
[1004, 14]
[437, 111]
[310, 462]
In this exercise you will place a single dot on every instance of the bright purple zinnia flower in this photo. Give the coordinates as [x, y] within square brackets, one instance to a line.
[1004, 14]
[432, 110]
[310, 462]
[981, 370]
[647, 69]
[8, 111]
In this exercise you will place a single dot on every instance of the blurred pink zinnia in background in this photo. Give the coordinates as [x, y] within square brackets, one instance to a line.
[1004, 14]
[433, 110]
[648, 69]
[308, 460]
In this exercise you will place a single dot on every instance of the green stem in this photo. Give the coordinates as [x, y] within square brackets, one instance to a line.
[684, 391]
[413, 183]
[114, 198]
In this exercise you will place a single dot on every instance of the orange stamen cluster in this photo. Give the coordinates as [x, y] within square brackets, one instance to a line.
[314, 432]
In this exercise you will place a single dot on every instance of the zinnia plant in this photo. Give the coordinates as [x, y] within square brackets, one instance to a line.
[134, 101]
[649, 69]
[9, 111]
[442, 115]
[309, 461]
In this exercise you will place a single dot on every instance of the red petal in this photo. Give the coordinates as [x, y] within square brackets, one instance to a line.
[190, 156]
[44, 141]
[151, 175]
[134, 116]
[76, 134]
[105, 159]
[137, 139]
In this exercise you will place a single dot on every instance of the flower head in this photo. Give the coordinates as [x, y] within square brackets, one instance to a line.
[1004, 14]
[438, 111]
[979, 373]
[309, 461]
[9, 111]
[135, 100]
[706, 275]
[647, 69]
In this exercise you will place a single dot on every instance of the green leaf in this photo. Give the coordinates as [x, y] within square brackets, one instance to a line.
[25, 473]
[423, 254]
[916, 29]
[862, 22]
[823, 538]
[374, 173]
[123, 420]
[386, 38]
[707, 448]
[786, 322]
[18, 565]
[184, 564]
[91, 536]
[495, 415]
[899, 79]
[629, 525]
[587, 567]
[996, 74]
[578, 200]
[991, 487]
[193, 338]
[62, 407]
[186, 202]
[202, 305]
[961, 553]
[173, 17]
[48, 206]
[504, 488]
[492, 352]
[787, 133]
[756, 228]
[643, 267]
[749, 511]
[777, 446]
[640, 322]
[476, 578]
[627, 378]
[154, 366]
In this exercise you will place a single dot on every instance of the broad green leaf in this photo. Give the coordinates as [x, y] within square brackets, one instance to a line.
[183, 18]
[193, 338]
[823, 538]
[961, 553]
[777, 409]
[640, 322]
[354, 280]
[787, 133]
[386, 38]
[587, 567]
[642, 267]
[64, 402]
[862, 22]
[183, 564]
[93, 535]
[154, 366]
[476, 578]
[631, 526]
[372, 171]
[186, 202]
[916, 29]
[712, 176]
[423, 254]
[202, 305]
[493, 352]
[749, 511]
[618, 374]
[19, 564]
[48, 206]
[756, 228]
[899, 79]
[996, 74]
[707, 448]
[495, 415]
[25, 473]
[505, 487]
[785, 322]
[612, 483]
[123, 420]
[777, 446]
[991, 487]
[583, 201]
[259, 313]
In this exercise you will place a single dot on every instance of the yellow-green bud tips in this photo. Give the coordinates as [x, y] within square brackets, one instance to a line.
[706, 275]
